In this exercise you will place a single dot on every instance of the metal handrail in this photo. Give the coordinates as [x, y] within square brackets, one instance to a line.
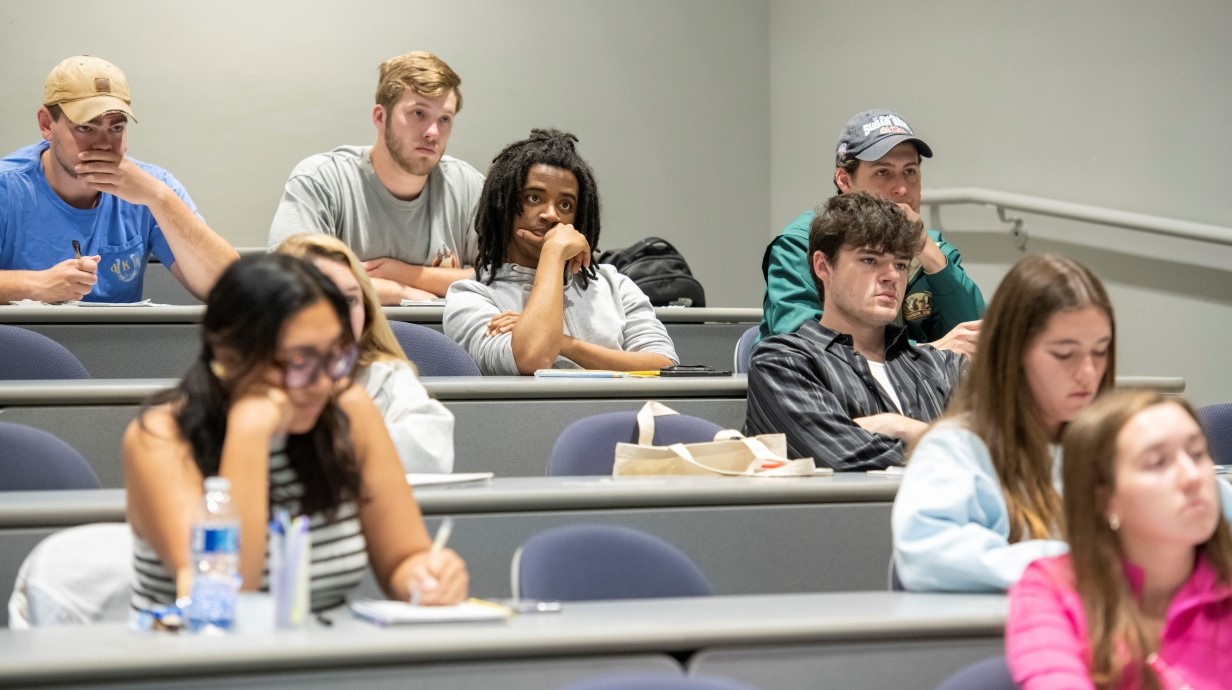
[1008, 201]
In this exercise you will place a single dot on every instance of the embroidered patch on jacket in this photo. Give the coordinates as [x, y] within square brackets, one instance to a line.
[918, 305]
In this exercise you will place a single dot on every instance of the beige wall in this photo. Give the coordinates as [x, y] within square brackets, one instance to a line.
[668, 97]
[1116, 103]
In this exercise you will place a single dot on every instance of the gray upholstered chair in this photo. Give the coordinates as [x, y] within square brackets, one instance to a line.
[433, 352]
[599, 562]
[744, 350]
[1217, 422]
[587, 447]
[30, 356]
[37, 460]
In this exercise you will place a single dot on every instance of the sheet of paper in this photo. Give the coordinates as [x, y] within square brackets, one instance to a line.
[382, 612]
[424, 479]
[591, 373]
[142, 303]
[889, 471]
[79, 303]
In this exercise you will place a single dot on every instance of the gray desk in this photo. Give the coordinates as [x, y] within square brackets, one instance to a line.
[108, 339]
[504, 424]
[751, 536]
[956, 629]
[493, 413]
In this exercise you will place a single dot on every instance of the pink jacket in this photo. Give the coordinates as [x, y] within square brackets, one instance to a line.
[1046, 634]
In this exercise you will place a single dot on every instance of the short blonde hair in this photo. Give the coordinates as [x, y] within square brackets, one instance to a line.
[377, 341]
[419, 71]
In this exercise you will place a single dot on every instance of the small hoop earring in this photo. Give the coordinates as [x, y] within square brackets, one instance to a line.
[1114, 522]
[217, 369]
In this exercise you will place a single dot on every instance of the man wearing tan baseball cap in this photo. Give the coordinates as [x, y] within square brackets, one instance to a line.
[78, 218]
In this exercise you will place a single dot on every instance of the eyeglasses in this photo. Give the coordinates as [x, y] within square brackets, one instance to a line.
[301, 367]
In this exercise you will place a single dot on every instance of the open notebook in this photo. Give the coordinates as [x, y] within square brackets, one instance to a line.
[384, 612]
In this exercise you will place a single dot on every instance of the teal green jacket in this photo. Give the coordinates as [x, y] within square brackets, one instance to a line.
[933, 306]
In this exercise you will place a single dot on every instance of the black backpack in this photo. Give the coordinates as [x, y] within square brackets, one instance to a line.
[660, 271]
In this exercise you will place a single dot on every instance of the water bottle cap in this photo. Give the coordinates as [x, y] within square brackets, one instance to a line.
[217, 484]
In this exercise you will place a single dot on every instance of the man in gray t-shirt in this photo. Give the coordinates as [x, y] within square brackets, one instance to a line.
[402, 205]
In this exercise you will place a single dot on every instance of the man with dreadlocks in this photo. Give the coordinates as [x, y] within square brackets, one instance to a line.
[536, 301]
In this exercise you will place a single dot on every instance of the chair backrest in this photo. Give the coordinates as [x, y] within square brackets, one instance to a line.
[744, 350]
[652, 680]
[1217, 421]
[990, 674]
[30, 356]
[588, 446]
[595, 562]
[433, 352]
[37, 460]
[78, 575]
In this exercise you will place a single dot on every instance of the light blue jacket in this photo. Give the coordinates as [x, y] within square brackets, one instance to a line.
[950, 522]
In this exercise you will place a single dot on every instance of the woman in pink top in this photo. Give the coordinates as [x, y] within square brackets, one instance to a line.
[1143, 600]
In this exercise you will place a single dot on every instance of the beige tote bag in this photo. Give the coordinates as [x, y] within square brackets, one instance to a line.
[729, 454]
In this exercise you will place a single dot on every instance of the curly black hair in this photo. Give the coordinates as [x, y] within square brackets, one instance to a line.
[500, 203]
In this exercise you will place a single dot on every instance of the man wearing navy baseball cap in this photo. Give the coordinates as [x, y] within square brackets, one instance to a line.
[878, 152]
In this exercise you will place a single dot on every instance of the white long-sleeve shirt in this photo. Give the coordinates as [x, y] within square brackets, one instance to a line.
[421, 427]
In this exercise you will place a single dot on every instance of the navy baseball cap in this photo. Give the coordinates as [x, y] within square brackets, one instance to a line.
[871, 134]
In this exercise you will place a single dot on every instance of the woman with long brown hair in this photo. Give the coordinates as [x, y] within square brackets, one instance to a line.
[978, 501]
[1144, 599]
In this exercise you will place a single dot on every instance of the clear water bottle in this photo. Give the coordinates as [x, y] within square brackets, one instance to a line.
[214, 550]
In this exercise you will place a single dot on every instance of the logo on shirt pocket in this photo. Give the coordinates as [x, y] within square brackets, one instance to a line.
[126, 267]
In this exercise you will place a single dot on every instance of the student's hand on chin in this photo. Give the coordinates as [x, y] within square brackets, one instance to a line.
[912, 216]
[573, 246]
[261, 408]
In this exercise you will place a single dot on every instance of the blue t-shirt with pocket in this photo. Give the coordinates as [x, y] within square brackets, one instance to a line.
[37, 227]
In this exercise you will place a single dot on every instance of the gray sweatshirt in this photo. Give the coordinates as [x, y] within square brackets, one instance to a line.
[612, 312]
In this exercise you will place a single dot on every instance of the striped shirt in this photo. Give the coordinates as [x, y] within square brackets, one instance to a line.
[811, 385]
[339, 552]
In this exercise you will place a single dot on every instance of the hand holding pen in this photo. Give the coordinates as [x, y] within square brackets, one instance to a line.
[439, 575]
[68, 280]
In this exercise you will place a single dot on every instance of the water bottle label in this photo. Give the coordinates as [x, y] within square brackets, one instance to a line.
[219, 539]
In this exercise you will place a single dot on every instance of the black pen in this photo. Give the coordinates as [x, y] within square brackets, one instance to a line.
[76, 249]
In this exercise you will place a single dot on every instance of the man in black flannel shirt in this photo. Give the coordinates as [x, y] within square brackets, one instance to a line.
[851, 390]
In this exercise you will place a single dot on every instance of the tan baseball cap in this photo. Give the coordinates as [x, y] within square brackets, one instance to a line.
[85, 87]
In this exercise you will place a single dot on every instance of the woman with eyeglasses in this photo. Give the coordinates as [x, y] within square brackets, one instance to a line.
[269, 404]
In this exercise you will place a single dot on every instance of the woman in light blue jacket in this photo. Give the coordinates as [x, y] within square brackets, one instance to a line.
[980, 500]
